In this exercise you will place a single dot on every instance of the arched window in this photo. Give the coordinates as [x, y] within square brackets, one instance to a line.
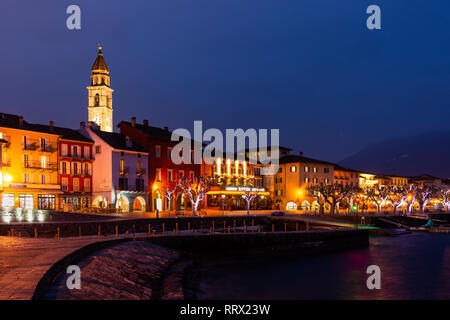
[97, 100]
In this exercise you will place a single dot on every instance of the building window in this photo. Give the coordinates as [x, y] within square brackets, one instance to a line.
[46, 201]
[63, 167]
[8, 200]
[314, 180]
[315, 169]
[26, 161]
[122, 165]
[65, 184]
[327, 181]
[26, 201]
[170, 175]
[75, 168]
[158, 175]
[87, 185]
[180, 174]
[86, 169]
[280, 170]
[123, 184]
[306, 180]
[293, 169]
[279, 192]
[75, 151]
[326, 170]
[76, 184]
[26, 178]
[140, 185]
[43, 179]
[306, 169]
[157, 152]
[44, 162]
[44, 144]
[63, 149]
[87, 152]
[98, 149]
[191, 175]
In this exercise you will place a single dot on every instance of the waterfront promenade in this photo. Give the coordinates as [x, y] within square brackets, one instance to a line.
[24, 261]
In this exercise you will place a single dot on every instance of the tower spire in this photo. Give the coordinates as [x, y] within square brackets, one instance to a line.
[100, 94]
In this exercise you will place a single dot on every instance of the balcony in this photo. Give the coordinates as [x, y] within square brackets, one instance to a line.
[124, 171]
[7, 144]
[48, 148]
[31, 146]
[6, 163]
[40, 166]
[120, 187]
[140, 172]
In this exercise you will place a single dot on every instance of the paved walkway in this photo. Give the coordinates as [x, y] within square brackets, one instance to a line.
[24, 261]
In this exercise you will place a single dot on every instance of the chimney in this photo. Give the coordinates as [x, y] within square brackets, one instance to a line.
[52, 125]
[166, 128]
[146, 122]
[82, 124]
[301, 153]
[133, 122]
[20, 121]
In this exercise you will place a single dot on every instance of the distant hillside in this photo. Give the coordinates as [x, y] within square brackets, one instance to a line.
[425, 153]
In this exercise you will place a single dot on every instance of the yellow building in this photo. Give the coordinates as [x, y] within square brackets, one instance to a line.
[100, 95]
[295, 174]
[29, 164]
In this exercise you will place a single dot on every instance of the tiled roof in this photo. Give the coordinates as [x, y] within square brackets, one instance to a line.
[150, 131]
[338, 167]
[294, 158]
[118, 141]
[100, 63]
[12, 121]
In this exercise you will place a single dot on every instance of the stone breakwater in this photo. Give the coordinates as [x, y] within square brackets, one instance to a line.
[128, 271]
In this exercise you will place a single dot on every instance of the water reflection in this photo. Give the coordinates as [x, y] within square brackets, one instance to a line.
[415, 266]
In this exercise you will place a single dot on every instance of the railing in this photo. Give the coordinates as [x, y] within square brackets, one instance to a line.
[8, 143]
[48, 148]
[131, 188]
[140, 172]
[77, 157]
[39, 165]
[31, 146]
[6, 163]
[124, 171]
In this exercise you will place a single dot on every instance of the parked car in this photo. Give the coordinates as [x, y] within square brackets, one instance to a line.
[277, 214]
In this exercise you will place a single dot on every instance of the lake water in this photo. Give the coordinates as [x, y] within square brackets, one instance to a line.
[413, 266]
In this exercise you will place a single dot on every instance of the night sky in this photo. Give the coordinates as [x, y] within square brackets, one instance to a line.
[308, 67]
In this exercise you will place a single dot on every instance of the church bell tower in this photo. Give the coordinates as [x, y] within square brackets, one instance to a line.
[100, 94]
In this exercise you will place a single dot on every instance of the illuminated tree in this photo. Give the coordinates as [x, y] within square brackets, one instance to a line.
[397, 196]
[378, 195]
[444, 195]
[196, 189]
[411, 194]
[424, 195]
[332, 193]
[249, 195]
[314, 191]
[352, 194]
[169, 192]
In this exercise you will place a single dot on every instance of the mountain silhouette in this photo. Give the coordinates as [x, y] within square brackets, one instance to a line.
[408, 156]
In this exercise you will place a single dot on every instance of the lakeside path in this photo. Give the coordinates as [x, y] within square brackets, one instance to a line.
[24, 261]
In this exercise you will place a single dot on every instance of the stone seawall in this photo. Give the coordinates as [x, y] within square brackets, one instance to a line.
[154, 267]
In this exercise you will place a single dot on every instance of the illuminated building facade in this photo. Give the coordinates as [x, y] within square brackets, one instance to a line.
[346, 177]
[29, 163]
[161, 170]
[295, 174]
[75, 170]
[230, 179]
[100, 95]
[120, 179]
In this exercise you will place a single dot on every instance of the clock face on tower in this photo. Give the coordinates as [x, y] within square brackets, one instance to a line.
[97, 120]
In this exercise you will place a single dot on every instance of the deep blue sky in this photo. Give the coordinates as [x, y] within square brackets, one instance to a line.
[308, 67]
